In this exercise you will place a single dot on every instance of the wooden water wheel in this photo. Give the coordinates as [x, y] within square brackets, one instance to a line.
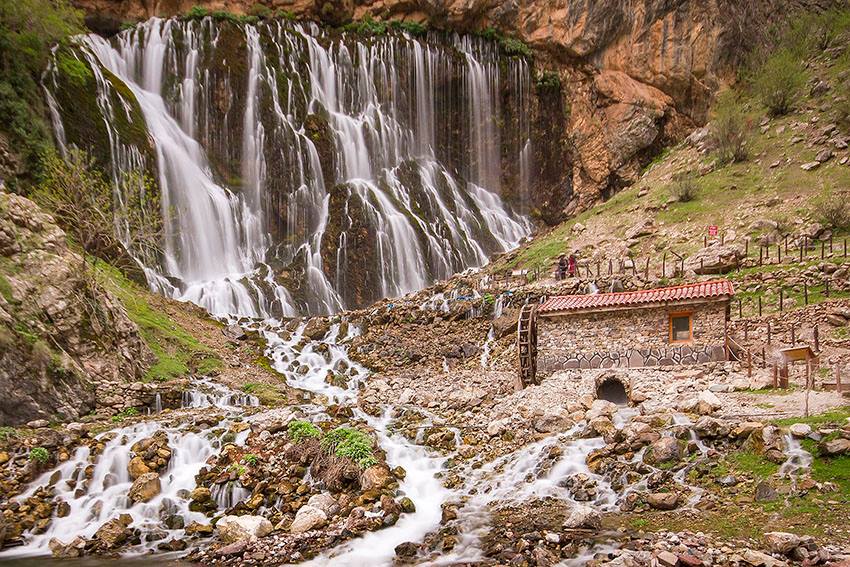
[526, 338]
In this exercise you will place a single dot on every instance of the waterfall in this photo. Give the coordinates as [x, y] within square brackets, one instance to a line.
[304, 171]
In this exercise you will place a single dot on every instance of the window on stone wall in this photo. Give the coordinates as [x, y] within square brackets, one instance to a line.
[681, 328]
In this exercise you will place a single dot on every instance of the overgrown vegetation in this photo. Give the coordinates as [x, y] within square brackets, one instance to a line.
[125, 413]
[831, 207]
[28, 29]
[730, 129]
[548, 80]
[779, 82]
[370, 26]
[82, 202]
[39, 455]
[684, 188]
[300, 430]
[199, 13]
[251, 459]
[509, 45]
[351, 444]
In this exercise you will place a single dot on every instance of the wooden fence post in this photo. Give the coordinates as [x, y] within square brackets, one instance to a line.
[761, 254]
[759, 306]
[747, 247]
[781, 297]
[768, 332]
[786, 244]
[740, 316]
[779, 253]
[805, 293]
[816, 333]
[664, 265]
[802, 245]
[822, 249]
[793, 335]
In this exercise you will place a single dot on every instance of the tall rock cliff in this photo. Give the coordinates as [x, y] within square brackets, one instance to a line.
[636, 75]
[60, 332]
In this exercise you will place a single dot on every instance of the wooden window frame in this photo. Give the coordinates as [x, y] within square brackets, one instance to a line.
[690, 316]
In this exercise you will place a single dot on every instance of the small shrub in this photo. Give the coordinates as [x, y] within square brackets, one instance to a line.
[730, 129]
[780, 82]
[260, 11]
[39, 455]
[299, 430]
[351, 444]
[684, 188]
[196, 13]
[251, 459]
[125, 413]
[367, 26]
[832, 208]
[238, 469]
[548, 80]
[412, 28]
[516, 48]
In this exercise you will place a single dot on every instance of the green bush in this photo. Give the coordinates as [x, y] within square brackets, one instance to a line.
[39, 455]
[413, 28]
[251, 459]
[516, 48]
[299, 430]
[367, 26]
[832, 208]
[684, 188]
[196, 13]
[779, 82]
[730, 129]
[548, 80]
[350, 444]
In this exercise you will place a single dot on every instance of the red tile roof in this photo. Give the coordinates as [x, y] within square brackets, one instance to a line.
[704, 290]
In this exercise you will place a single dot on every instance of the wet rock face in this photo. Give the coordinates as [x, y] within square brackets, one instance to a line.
[651, 70]
[53, 307]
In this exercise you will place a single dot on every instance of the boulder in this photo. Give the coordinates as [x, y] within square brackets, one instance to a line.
[800, 430]
[600, 408]
[710, 427]
[137, 467]
[197, 528]
[308, 518]
[745, 428]
[38, 424]
[114, 533]
[241, 528]
[324, 502]
[664, 450]
[781, 542]
[201, 494]
[714, 259]
[662, 500]
[145, 487]
[759, 559]
[375, 478]
[234, 332]
[834, 447]
[75, 548]
[583, 517]
[708, 403]
[765, 492]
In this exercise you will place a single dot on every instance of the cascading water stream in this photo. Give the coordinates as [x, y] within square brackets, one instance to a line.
[324, 156]
[95, 487]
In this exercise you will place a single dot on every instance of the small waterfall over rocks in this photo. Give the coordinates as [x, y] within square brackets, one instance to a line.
[302, 170]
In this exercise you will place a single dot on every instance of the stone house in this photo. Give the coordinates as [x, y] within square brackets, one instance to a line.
[659, 327]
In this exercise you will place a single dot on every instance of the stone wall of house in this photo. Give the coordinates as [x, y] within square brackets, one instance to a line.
[629, 338]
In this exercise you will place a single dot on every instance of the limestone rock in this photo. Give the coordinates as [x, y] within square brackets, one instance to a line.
[781, 542]
[800, 430]
[664, 450]
[137, 467]
[834, 447]
[375, 477]
[663, 500]
[114, 533]
[714, 259]
[145, 487]
[231, 529]
[307, 518]
[582, 516]
[324, 502]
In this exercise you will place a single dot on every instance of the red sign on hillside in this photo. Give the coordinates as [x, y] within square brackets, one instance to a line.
[712, 230]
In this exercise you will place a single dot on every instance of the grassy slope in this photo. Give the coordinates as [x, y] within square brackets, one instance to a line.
[178, 353]
[731, 196]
